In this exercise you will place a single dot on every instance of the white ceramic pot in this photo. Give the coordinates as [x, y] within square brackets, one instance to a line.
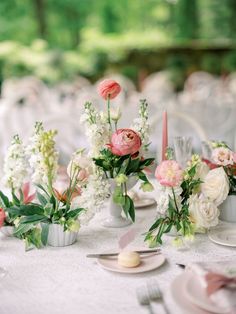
[115, 219]
[228, 209]
[58, 237]
[7, 231]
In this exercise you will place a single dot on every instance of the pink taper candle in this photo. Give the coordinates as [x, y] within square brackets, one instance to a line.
[164, 135]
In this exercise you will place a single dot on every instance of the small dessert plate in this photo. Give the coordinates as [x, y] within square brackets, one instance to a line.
[179, 295]
[198, 296]
[144, 202]
[224, 236]
[148, 262]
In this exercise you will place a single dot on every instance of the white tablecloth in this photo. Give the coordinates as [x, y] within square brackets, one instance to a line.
[63, 280]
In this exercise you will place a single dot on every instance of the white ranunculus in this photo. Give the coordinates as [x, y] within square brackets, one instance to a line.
[216, 186]
[201, 171]
[162, 197]
[203, 212]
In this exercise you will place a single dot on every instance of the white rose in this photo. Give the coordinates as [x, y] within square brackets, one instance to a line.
[222, 156]
[203, 212]
[216, 185]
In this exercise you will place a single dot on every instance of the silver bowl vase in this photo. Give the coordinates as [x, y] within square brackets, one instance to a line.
[115, 219]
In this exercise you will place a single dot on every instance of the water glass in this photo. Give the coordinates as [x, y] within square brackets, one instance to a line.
[183, 149]
[206, 150]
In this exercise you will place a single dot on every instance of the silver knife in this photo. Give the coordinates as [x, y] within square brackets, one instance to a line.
[117, 253]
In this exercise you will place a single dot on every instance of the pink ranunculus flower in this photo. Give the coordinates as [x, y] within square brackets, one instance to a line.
[2, 216]
[109, 88]
[222, 156]
[169, 173]
[125, 142]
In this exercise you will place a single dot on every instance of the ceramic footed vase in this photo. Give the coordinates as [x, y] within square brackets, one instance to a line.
[115, 218]
[228, 209]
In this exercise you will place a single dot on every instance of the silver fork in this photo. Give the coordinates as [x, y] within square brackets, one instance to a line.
[155, 294]
[143, 298]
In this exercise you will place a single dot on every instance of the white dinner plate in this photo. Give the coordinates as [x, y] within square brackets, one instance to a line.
[224, 236]
[198, 296]
[148, 262]
[144, 202]
[179, 295]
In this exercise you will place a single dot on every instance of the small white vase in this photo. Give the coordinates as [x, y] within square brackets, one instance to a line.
[115, 219]
[7, 231]
[58, 237]
[228, 209]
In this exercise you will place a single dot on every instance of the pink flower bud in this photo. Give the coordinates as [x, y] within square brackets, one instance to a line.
[109, 88]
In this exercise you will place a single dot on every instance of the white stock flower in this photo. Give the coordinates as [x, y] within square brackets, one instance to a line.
[141, 125]
[92, 197]
[162, 197]
[216, 185]
[43, 157]
[203, 212]
[97, 129]
[15, 165]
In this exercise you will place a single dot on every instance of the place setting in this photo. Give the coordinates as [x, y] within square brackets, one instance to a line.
[128, 259]
[206, 288]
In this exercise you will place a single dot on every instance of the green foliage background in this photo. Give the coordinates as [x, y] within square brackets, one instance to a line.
[58, 39]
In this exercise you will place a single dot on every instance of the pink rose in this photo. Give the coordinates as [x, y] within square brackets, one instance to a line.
[2, 216]
[109, 88]
[234, 157]
[169, 173]
[222, 156]
[125, 142]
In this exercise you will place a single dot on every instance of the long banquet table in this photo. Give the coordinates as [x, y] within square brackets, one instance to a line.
[63, 281]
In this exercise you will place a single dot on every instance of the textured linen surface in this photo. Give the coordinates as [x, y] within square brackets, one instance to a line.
[63, 281]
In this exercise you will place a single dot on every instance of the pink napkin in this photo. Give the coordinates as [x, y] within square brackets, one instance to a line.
[209, 279]
[127, 238]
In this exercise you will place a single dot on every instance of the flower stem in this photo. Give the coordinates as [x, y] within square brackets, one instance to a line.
[175, 200]
[109, 112]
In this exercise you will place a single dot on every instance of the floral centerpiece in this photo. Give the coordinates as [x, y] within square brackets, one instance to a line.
[53, 217]
[225, 158]
[118, 153]
[187, 199]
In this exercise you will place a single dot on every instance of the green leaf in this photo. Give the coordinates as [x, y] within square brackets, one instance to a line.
[142, 176]
[33, 219]
[156, 224]
[4, 199]
[31, 209]
[133, 166]
[53, 201]
[21, 229]
[43, 189]
[14, 210]
[74, 213]
[132, 210]
[42, 199]
[44, 233]
[16, 200]
[126, 205]
[146, 162]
